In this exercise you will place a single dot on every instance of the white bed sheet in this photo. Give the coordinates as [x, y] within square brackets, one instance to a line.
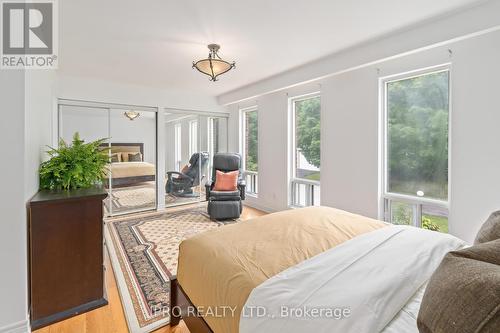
[406, 320]
[378, 276]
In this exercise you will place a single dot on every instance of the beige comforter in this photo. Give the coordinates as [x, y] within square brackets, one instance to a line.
[131, 169]
[221, 267]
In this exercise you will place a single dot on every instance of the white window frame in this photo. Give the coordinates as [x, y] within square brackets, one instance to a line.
[193, 137]
[386, 197]
[251, 177]
[178, 145]
[310, 184]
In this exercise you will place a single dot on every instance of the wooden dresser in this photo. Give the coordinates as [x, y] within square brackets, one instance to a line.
[66, 264]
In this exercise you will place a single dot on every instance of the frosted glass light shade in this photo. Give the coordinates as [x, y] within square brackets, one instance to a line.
[213, 66]
[131, 114]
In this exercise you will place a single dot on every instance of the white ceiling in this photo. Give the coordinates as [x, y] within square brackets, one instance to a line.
[154, 42]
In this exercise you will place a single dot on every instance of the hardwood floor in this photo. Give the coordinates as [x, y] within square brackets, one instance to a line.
[111, 318]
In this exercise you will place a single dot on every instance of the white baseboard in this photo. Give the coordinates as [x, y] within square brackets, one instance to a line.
[22, 326]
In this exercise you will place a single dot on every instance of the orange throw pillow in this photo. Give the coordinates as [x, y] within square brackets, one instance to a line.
[226, 181]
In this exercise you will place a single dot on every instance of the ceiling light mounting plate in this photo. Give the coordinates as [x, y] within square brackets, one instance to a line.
[214, 47]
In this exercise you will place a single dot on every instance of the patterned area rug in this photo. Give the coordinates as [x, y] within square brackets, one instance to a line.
[143, 253]
[132, 197]
[140, 197]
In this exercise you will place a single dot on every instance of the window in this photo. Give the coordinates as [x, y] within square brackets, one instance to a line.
[305, 150]
[193, 137]
[250, 148]
[416, 118]
[178, 146]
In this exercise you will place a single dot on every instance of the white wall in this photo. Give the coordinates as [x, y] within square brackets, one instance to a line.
[27, 126]
[170, 147]
[350, 134]
[234, 127]
[40, 103]
[349, 142]
[273, 154]
[203, 133]
[185, 139]
[475, 145]
[13, 291]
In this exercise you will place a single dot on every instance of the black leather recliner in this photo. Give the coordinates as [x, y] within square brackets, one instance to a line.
[224, 205]
[181, 184]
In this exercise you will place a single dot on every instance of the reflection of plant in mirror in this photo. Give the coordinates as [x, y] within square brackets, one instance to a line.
[79, 165]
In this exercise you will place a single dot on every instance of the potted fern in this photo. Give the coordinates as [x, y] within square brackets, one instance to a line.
[77, 166]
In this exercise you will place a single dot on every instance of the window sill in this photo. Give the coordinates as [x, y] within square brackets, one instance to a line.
[415, 200]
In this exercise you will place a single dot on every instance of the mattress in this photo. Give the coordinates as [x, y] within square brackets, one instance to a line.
[222, 266]
[132, 169]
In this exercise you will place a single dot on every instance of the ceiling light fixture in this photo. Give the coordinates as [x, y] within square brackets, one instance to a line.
[131, 114]
[213, 66]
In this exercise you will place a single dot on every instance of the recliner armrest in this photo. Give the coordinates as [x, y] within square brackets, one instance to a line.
[242, 187]
[208, 187]
[179, 175]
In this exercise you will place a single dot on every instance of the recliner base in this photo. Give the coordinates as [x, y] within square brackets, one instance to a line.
[224, 210]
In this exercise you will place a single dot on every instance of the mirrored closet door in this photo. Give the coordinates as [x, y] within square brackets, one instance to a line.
[191, 141]
[184, 159]
[133, 160]
[130, 136]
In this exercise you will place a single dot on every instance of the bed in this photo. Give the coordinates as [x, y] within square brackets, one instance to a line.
[302, 257]
[125, 172]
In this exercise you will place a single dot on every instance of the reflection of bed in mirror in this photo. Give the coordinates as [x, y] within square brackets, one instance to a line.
[128, 166]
